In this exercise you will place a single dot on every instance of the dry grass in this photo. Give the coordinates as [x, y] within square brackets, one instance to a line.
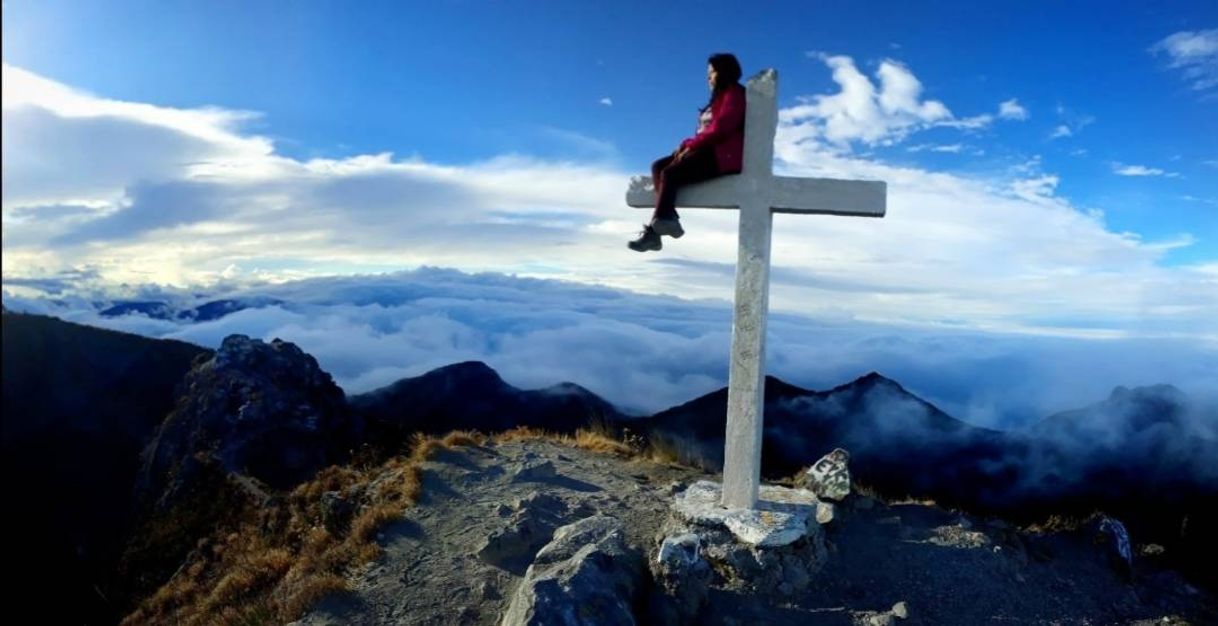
[1061, 523]
[662, 451]
[281, 559]
[599, 443]
[601, 439]
[890, 499]
[908, 499]
[587, 439]
[524, 433]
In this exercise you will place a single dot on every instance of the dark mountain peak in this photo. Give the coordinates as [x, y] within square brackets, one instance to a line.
[872, 379]
[148, 308]
[162, 310]
[261, 409]
[568, 388]
[466, 373]
[1160, 392]
[776, 387]
[217, 309]
[1126, 411]
[472, 395]
[867, 383]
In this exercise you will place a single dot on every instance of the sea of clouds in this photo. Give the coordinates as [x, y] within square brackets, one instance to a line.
[642, 352]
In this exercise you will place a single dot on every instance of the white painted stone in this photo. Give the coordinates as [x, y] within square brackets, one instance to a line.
[829, 477]
[781, 516]
[758, 194]
[679, 550]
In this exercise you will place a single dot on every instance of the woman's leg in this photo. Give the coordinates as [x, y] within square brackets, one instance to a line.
[658, 166]
[657, 179]
[695, 167]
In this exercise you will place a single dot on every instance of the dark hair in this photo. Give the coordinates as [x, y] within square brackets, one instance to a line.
[727, 73]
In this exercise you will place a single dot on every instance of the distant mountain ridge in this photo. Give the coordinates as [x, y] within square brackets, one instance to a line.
[162, 310]
[472, 395]
[882, 425]
[898, 442]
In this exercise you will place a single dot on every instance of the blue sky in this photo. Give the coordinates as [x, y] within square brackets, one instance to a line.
[461, 81]
[1052, 167]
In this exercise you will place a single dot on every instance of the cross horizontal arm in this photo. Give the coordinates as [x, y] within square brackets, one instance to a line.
[828, 196]
[717, 193]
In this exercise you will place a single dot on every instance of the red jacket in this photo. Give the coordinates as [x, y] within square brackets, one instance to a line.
[725, 133]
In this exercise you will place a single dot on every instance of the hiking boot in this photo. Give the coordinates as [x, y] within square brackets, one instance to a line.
[649, 239]
[670, 227]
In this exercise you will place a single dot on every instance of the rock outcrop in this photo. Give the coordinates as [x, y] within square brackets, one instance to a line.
[261, 410]
[586, 576]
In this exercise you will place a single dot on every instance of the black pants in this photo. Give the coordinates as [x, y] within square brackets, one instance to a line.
[669, 177]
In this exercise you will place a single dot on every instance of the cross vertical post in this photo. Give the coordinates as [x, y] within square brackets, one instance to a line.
[746, 377]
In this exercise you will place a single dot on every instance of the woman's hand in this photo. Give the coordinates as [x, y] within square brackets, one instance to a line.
[680, 154]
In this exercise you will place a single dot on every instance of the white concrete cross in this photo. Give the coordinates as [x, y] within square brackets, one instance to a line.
[758, 194]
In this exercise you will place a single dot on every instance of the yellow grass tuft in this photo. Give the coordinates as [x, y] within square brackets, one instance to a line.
[663, 451]
[1062, 523]
[464, 438]
[524, 433]
[600, 443]
[370, 520]
[312, 591]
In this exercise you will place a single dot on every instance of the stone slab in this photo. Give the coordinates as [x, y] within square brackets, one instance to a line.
[781, 517]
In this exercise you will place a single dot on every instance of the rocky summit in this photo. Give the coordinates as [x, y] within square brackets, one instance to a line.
[606, 539]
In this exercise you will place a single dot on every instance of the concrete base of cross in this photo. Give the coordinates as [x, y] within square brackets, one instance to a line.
[781, 517]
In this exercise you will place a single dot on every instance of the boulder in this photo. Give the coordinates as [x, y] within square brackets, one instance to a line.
[682, 580]
[1112, 534]
[586, 575]
[533, 471]
[530, 526]
[829, 477]
[336, 512]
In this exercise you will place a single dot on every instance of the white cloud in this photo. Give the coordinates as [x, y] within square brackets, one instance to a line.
[1061, 131]
[42, 117]
[1035, 189]
[583, 145]
[1192, 198]
[1140, 170]
[1071, 123]
[1194, 54]
[979, 252]
[607, 101]
[977, 121]
[871, 114]
[1012, 110]
[953, 148]
[645, 352]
